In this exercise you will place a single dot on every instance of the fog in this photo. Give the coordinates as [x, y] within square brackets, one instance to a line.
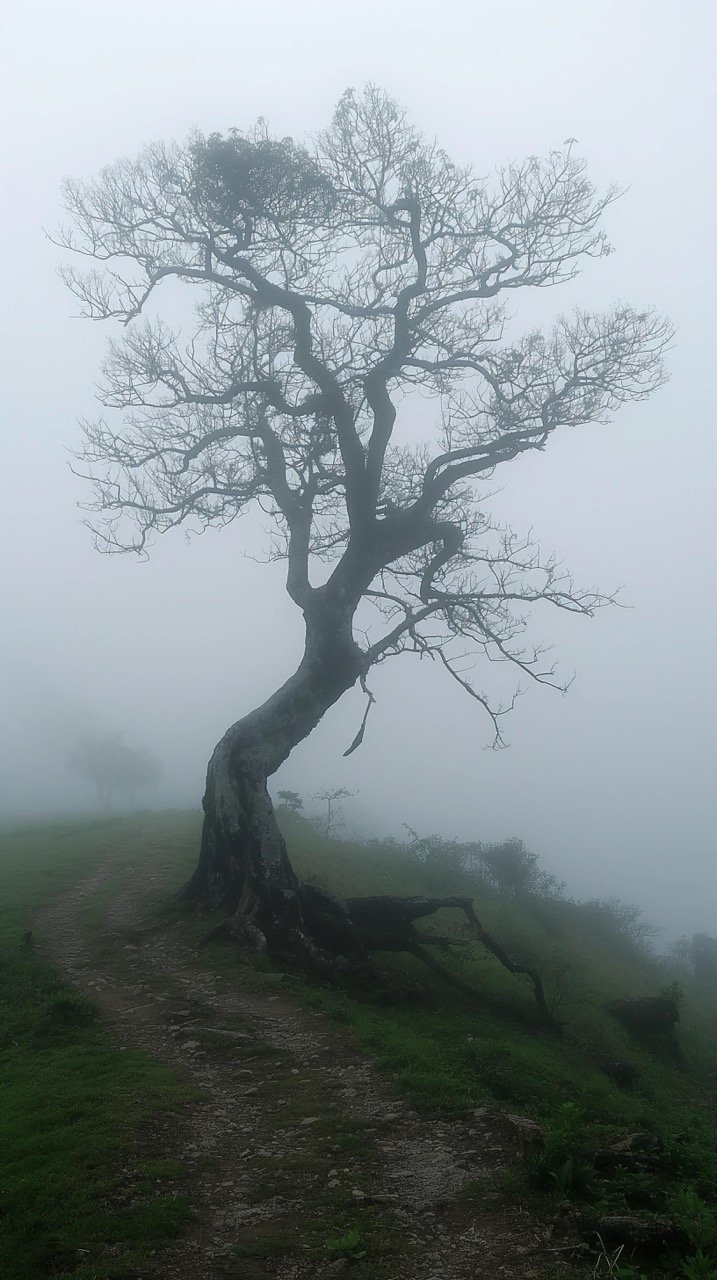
[612, 784]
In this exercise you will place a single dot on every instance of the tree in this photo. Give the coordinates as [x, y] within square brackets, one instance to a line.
[291, 801]
[332, 797]
[698, 953]
[514, 870]
[111, 765]
[331, 284]
[617, 921]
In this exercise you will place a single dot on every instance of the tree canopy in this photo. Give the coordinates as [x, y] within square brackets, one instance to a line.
[330, 284]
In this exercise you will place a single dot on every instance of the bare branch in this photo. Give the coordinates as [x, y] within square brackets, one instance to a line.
[327, 287]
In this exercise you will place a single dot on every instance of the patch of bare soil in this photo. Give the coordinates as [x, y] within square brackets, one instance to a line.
[292, 1136]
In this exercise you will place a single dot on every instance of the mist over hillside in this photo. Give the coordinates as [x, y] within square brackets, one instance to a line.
[612, 785]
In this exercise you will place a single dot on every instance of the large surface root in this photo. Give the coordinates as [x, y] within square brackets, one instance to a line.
[329, 937]
[386, 924]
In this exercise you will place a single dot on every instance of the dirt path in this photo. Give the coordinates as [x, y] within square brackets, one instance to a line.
[292, 1135]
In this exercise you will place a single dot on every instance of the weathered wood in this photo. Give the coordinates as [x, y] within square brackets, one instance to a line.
[244, 868]
[385, 923]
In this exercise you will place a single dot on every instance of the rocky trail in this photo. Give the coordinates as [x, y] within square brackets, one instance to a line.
[290, 1139]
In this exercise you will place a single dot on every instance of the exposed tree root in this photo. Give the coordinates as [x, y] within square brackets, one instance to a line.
[244, 871]
[386, 924]
[332, 937]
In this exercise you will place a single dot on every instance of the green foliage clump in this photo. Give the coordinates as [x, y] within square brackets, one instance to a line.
[246, 182]
[349, 1245]
[699, 1267]
[565, 1164]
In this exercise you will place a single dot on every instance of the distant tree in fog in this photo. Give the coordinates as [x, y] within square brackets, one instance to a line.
[333, 817]
[290, 800]
[614, 920]
[513, 869]
[698, 953]
[331, 283]
[114, 768]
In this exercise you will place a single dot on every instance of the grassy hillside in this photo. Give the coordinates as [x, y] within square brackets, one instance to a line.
[447, 1055]
[73, 1104]
[64, 1079]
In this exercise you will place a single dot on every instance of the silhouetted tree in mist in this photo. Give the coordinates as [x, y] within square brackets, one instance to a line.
[290, 800]
[333, 817]
[113, 767]
[331, 283]
[699, 954]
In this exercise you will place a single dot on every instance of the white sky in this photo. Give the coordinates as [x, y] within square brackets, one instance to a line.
[613, 785]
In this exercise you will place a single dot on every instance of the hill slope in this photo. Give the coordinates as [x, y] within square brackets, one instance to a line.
[459, 1067]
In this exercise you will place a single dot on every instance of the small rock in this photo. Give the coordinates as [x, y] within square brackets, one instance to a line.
[223, 1036]
[623, 1073]
[358, 1195]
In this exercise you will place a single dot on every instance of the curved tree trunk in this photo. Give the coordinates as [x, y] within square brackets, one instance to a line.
[243, 867]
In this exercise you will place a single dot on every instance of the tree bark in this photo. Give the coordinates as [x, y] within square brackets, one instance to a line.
[386, 924]
[244, 869]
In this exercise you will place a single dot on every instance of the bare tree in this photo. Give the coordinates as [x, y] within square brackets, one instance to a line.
[112, 766]
[331, 283]
[332, 797]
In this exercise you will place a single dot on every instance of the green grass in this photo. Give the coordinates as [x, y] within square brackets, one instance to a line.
[77, 1197]
[446, 1056]
[79, 1094]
